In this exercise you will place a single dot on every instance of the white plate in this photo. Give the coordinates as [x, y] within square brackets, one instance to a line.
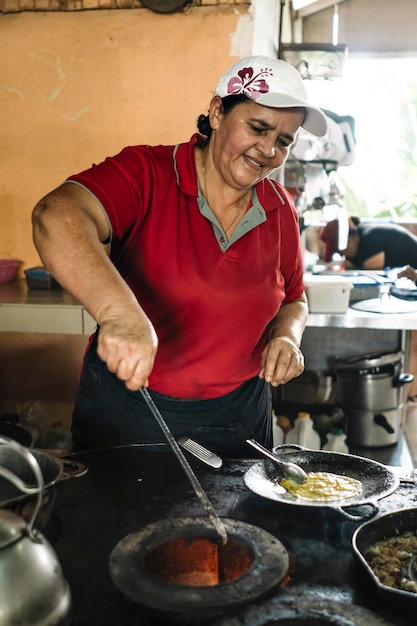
[388, 304]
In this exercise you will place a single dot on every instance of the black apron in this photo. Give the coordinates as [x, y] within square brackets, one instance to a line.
[107, 414]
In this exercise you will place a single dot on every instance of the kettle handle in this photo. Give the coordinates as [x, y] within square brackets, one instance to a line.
[18, 482]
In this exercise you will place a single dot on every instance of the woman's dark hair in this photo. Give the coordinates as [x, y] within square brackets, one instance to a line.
[228, 103]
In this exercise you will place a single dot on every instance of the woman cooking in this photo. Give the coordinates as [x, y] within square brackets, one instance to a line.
[201, 298]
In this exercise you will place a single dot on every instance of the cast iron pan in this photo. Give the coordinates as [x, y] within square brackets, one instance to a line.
[383, 527]
[377, 480]
[17, 433]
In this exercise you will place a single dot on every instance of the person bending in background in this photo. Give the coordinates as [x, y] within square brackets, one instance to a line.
[376, 246]
[202, 297]
[371, 246]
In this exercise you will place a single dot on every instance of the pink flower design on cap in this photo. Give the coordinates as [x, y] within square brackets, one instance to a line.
[245, 82]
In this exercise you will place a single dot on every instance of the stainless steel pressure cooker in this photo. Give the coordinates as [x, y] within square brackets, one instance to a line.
[370, 389]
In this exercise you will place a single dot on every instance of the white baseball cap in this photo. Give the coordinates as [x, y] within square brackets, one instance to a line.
[272, 83]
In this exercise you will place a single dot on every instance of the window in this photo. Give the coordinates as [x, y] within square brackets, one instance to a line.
[381, 94]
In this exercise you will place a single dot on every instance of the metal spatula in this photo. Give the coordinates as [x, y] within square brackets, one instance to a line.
[200, 452]
[200, 493]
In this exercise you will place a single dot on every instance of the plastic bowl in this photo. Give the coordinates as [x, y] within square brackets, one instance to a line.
[40, 278]
[8, 269]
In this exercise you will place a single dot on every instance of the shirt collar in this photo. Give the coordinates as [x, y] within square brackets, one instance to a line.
[184, 165]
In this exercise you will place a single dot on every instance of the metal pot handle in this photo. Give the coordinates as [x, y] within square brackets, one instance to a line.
[72, 469]
[402, 379]
[18, 482]
[374, 509]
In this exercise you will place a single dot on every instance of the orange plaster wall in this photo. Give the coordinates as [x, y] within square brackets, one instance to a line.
[78, 86]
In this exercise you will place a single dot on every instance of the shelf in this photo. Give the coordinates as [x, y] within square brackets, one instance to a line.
[42, 311]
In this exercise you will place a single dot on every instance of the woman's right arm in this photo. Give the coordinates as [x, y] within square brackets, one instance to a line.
[69, 227]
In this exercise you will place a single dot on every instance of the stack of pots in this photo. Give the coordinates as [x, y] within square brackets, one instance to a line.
[370, 388]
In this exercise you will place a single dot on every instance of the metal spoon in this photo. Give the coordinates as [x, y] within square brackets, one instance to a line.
[290, 470]
[200, 493]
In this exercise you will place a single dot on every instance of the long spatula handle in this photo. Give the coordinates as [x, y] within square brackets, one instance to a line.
[214, 518]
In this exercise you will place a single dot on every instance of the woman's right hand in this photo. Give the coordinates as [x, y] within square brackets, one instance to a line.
[127, 343]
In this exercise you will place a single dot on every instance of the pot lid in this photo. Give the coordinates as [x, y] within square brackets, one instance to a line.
[370, 360]
[12, 528]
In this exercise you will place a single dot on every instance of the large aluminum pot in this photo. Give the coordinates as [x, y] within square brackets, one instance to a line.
[371, 382]
[373, 429]
[371, 391]
[378, 481]
[54, 470]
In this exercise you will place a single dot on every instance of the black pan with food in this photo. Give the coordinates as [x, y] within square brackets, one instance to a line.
[377, 480]
[378, 529]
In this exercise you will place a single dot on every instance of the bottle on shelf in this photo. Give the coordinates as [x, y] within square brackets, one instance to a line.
[303, 432]
[336, 441]
[323, 422]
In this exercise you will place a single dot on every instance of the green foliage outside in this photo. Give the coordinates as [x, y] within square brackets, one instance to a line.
[373, 191]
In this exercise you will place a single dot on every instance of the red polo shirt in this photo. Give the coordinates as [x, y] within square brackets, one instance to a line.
[210, 308]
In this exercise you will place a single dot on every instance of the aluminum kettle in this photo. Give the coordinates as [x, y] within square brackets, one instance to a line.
[33, 590]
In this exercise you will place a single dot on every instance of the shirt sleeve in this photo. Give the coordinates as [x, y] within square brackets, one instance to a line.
[123, 184]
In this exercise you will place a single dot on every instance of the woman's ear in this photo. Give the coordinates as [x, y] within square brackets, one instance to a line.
[215, 112]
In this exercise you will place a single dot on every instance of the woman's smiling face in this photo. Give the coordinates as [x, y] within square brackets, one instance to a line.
[251, 140]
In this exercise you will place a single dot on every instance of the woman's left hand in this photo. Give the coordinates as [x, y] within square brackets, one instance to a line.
[282, 360]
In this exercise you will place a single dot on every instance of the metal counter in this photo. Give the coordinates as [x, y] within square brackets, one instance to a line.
[55, 311]
[361, 319]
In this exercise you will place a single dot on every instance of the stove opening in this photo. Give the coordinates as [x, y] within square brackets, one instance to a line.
[199, 561]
